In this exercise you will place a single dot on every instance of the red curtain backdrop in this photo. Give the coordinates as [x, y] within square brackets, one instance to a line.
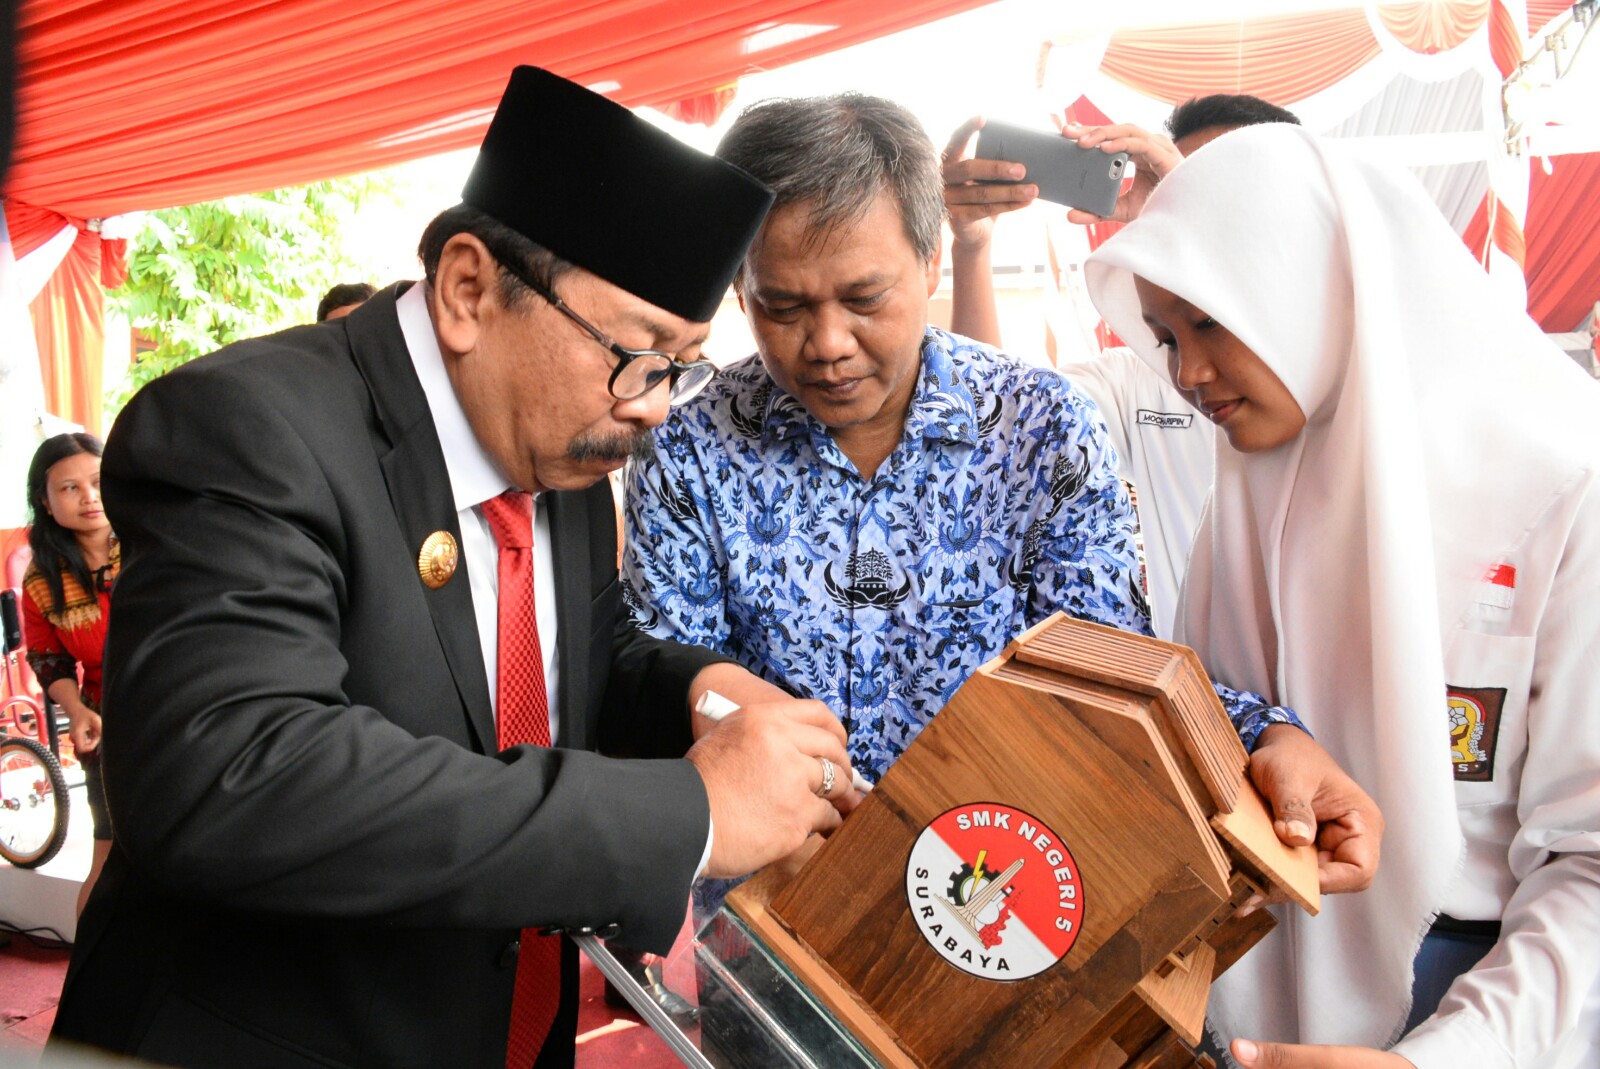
[1563, 219]
[69, 324]
[1285, 58]
[1281, 58]
[129, 104]
[31, 227]
[1541, 12]
[69, 312]
[1505, 43]
[1434, 27]
[705, 108]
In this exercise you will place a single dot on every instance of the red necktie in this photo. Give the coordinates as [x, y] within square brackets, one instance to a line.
[523, 717]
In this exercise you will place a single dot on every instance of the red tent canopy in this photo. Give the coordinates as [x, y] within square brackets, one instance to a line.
[1560, 238]
[125, 105]
[136, 104]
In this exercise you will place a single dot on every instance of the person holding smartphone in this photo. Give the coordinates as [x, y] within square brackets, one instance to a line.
[1163, 447]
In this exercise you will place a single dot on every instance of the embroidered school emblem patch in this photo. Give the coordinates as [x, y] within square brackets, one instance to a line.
[1474, 730]
[994, 892]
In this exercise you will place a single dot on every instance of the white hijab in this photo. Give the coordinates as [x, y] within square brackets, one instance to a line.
[1329, 574]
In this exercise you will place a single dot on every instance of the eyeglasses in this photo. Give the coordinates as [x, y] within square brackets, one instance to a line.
[638, 371]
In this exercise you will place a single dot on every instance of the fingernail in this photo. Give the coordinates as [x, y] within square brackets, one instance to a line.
[1298, 829]
[1017, 171]
[1245, 1050]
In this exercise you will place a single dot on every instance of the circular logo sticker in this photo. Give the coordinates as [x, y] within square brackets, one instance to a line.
[994, 891]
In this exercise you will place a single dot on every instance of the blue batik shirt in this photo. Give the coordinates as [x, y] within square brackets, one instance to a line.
[752, 533]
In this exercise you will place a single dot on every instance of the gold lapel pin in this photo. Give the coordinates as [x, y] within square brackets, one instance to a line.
[437, 561]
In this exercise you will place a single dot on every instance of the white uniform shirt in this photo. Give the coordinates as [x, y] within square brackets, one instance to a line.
[1526, 749]
[1165, 450]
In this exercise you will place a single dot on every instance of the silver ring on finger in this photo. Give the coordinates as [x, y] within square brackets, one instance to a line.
[827, 778]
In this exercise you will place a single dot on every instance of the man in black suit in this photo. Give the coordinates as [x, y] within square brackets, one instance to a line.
[323, 855]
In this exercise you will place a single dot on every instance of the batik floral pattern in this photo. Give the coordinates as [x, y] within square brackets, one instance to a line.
[752, 533]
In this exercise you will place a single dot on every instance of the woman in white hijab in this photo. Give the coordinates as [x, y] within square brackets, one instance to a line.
[1403, 544]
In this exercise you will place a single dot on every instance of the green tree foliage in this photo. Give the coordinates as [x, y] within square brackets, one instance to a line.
[204, 275]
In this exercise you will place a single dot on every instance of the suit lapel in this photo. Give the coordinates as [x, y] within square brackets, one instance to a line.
[419, 489]
[569, 546]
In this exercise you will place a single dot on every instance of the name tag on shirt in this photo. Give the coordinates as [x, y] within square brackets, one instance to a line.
[1165, 420]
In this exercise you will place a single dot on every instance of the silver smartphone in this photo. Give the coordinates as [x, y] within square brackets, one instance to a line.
[1064, 172]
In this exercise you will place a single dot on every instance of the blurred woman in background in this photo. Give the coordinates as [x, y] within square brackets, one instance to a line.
[66, 603]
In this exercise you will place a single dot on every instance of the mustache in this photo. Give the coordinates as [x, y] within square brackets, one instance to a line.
[636, 445]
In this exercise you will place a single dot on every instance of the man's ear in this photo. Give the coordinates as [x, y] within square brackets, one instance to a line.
[463, 281]
[933, 268]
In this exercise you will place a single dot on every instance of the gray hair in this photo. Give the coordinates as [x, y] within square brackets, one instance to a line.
[837, 153]
[506, 245]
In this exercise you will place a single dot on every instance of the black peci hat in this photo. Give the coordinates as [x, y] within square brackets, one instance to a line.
[600, 187]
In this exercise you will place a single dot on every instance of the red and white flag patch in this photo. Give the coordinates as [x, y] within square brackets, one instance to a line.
[1499, 586]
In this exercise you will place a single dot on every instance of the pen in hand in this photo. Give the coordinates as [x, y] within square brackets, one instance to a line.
[714, 706]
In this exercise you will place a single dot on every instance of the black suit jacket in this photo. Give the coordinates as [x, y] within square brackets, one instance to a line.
[320, 859]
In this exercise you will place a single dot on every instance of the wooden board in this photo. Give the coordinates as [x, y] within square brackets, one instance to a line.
[1193, 793]
[1180, 995]
[1238, 935]
[1192, 715]
[1096, 773]
[1112, 749]
[1248, 829]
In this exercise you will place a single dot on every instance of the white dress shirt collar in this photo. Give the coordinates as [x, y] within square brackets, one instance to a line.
[474, 476]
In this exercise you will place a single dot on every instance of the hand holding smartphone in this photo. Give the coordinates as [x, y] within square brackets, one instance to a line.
[1065, 172]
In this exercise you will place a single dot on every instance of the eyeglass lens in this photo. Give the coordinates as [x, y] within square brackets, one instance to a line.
[644, 373]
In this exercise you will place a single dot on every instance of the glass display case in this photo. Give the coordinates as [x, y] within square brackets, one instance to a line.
[754, 1013]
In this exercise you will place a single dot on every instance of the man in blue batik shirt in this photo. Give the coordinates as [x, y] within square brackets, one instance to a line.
[870, 508]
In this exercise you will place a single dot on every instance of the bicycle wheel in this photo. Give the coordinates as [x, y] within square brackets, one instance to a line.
[33, 803]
